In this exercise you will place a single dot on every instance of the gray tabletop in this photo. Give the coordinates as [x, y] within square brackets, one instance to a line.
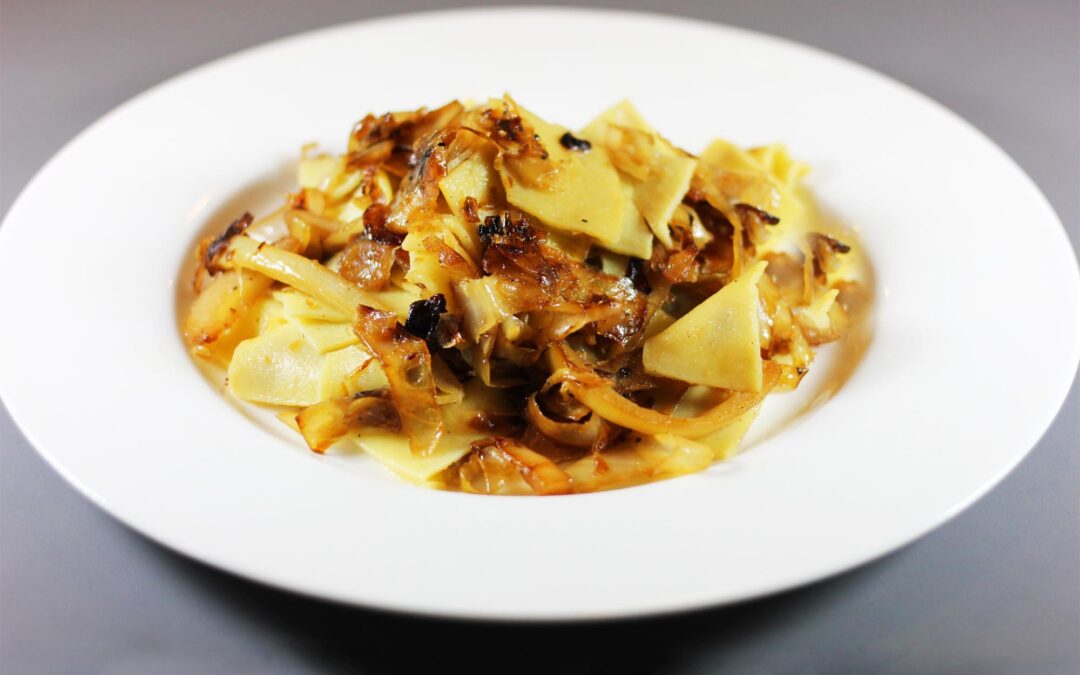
[995, 590]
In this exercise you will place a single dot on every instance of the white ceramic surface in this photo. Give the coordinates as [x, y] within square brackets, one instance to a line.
[977, 329]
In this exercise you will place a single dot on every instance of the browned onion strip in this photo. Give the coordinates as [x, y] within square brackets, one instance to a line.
[542, 474]
[608, 404]
[407, 363]
[303, 274]
[457, 266]
[575, 434]
[419, 190]
[326, 422]
[368, 263]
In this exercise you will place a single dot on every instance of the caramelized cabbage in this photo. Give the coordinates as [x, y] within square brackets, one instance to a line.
[488, 302]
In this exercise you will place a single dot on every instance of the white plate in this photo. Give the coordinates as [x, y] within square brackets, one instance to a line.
[977, 330]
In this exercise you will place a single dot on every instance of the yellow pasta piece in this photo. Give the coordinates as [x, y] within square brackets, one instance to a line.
[316, 172]
[270, 313]
[574, 245]
[326, 336]
[353, 210]
[659, 321]
[465, 240]
[279, 367]
[425, 270]
[724, 442]
[474, 177]
[613, 263]
[585, 195]
[397, 299]
[683, 455]
[717, 343]
[667, 172]
[341, 374]
[766, 178]
[392, 449]
[296, 305]
[660, 194]
[726, 155]
[622, 114]
[778, 163]
[635, 239]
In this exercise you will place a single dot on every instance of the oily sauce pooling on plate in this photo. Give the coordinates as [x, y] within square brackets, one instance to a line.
[488, 302]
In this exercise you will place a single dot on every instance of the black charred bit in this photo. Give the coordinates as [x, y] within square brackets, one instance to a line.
[505, 229]
[423, 320]
[511, 128]
[441, 330]
[635, 272]
[491, 227]
[572, 142]
[457, 364]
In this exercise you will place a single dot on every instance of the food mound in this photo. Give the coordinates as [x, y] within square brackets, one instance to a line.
[487, 302]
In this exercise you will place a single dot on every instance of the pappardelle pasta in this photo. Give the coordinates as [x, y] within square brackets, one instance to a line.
[488, 302]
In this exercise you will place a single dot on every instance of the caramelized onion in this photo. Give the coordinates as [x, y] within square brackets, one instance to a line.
[327, 422]
[210, 249]
[576, 434]
[419, 190]
[608, 404]
[492, 456]
[407, 364]
[368, 263]
[301, 273]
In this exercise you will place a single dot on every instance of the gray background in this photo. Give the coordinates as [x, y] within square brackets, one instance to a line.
[995, 590]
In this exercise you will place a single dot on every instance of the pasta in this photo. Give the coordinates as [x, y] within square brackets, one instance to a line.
[488, 302]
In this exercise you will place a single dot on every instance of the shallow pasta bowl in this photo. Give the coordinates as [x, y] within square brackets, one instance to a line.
[961, 378]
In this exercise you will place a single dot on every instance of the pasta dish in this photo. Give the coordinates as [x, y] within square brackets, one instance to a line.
[488, 302]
